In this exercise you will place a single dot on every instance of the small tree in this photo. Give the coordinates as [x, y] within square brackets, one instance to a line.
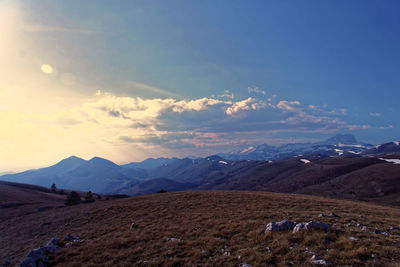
[53, 188]
[73, 198]
[89, 197]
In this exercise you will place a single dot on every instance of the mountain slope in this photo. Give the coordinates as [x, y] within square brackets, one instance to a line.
[384, 149]
[97, 175]
[149, 163]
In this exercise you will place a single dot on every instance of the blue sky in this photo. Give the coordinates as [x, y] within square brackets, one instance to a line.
[308, 70]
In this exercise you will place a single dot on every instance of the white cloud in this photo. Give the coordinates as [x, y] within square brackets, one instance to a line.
[245, 105]
[255, 90]
[289, 105]
[132, 128]
[375, 114]
[227, 94]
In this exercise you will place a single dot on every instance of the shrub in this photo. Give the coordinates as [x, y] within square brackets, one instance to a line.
[53, 188]
[89, 197]
[162, 191]
[73, 198]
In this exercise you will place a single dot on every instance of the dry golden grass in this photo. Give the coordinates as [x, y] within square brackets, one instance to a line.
[216, 228]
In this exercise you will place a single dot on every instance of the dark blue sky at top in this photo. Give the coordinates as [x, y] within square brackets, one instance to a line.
[341, 54]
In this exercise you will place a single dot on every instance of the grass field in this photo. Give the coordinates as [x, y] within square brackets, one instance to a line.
[208, 228]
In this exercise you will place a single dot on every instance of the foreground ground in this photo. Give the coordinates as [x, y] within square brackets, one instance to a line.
[214, 228]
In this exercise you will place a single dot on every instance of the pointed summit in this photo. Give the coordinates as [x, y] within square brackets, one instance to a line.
[65, 165]
[347, 139]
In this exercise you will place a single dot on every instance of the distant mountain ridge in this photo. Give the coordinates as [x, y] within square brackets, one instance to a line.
[334, 146]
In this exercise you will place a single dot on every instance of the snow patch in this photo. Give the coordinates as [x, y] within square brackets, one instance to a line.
[306, 161]
[397, 143]
[394, 161]
[223, 162]
[339, 151]
[249, 149]
[344, 145]
[353, 152]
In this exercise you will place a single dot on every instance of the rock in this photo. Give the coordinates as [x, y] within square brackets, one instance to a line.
[133, 225]
[244, 265]
[68, 237]
[332, 214]
[279, 226]
[38, 257]
[311, 225]
[364, 228]
[205, 252]
[395, 228]
[69, 244]
[355, 239]
[53, 242]
[319, 262]
[314, 257]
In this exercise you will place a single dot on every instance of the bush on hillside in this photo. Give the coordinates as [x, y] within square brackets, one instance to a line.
[89, 197]
[73, 198]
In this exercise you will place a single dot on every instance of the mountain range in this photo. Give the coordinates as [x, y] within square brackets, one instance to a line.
[341, 144]
[339, 167]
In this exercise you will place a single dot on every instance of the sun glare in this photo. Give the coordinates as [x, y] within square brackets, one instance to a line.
[46, 68]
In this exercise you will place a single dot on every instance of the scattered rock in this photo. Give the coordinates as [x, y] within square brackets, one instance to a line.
[395, 228]
[227, 253]
[355, 239]
[329, 215]
[38, 256]
[244, 265]
[69, 244]
[133, 225]
[319, 262]
[279, 226]
[311, 225]
[205, 252]
[53, 242]
[364, 228]
[77, 239]
[68, 237]
[381, 232]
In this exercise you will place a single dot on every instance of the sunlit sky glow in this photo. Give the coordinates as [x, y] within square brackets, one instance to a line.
[127, 80]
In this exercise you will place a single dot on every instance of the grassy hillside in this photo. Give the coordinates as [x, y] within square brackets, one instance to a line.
[211, 228]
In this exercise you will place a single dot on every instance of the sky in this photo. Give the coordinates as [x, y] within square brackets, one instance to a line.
[128, 80]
